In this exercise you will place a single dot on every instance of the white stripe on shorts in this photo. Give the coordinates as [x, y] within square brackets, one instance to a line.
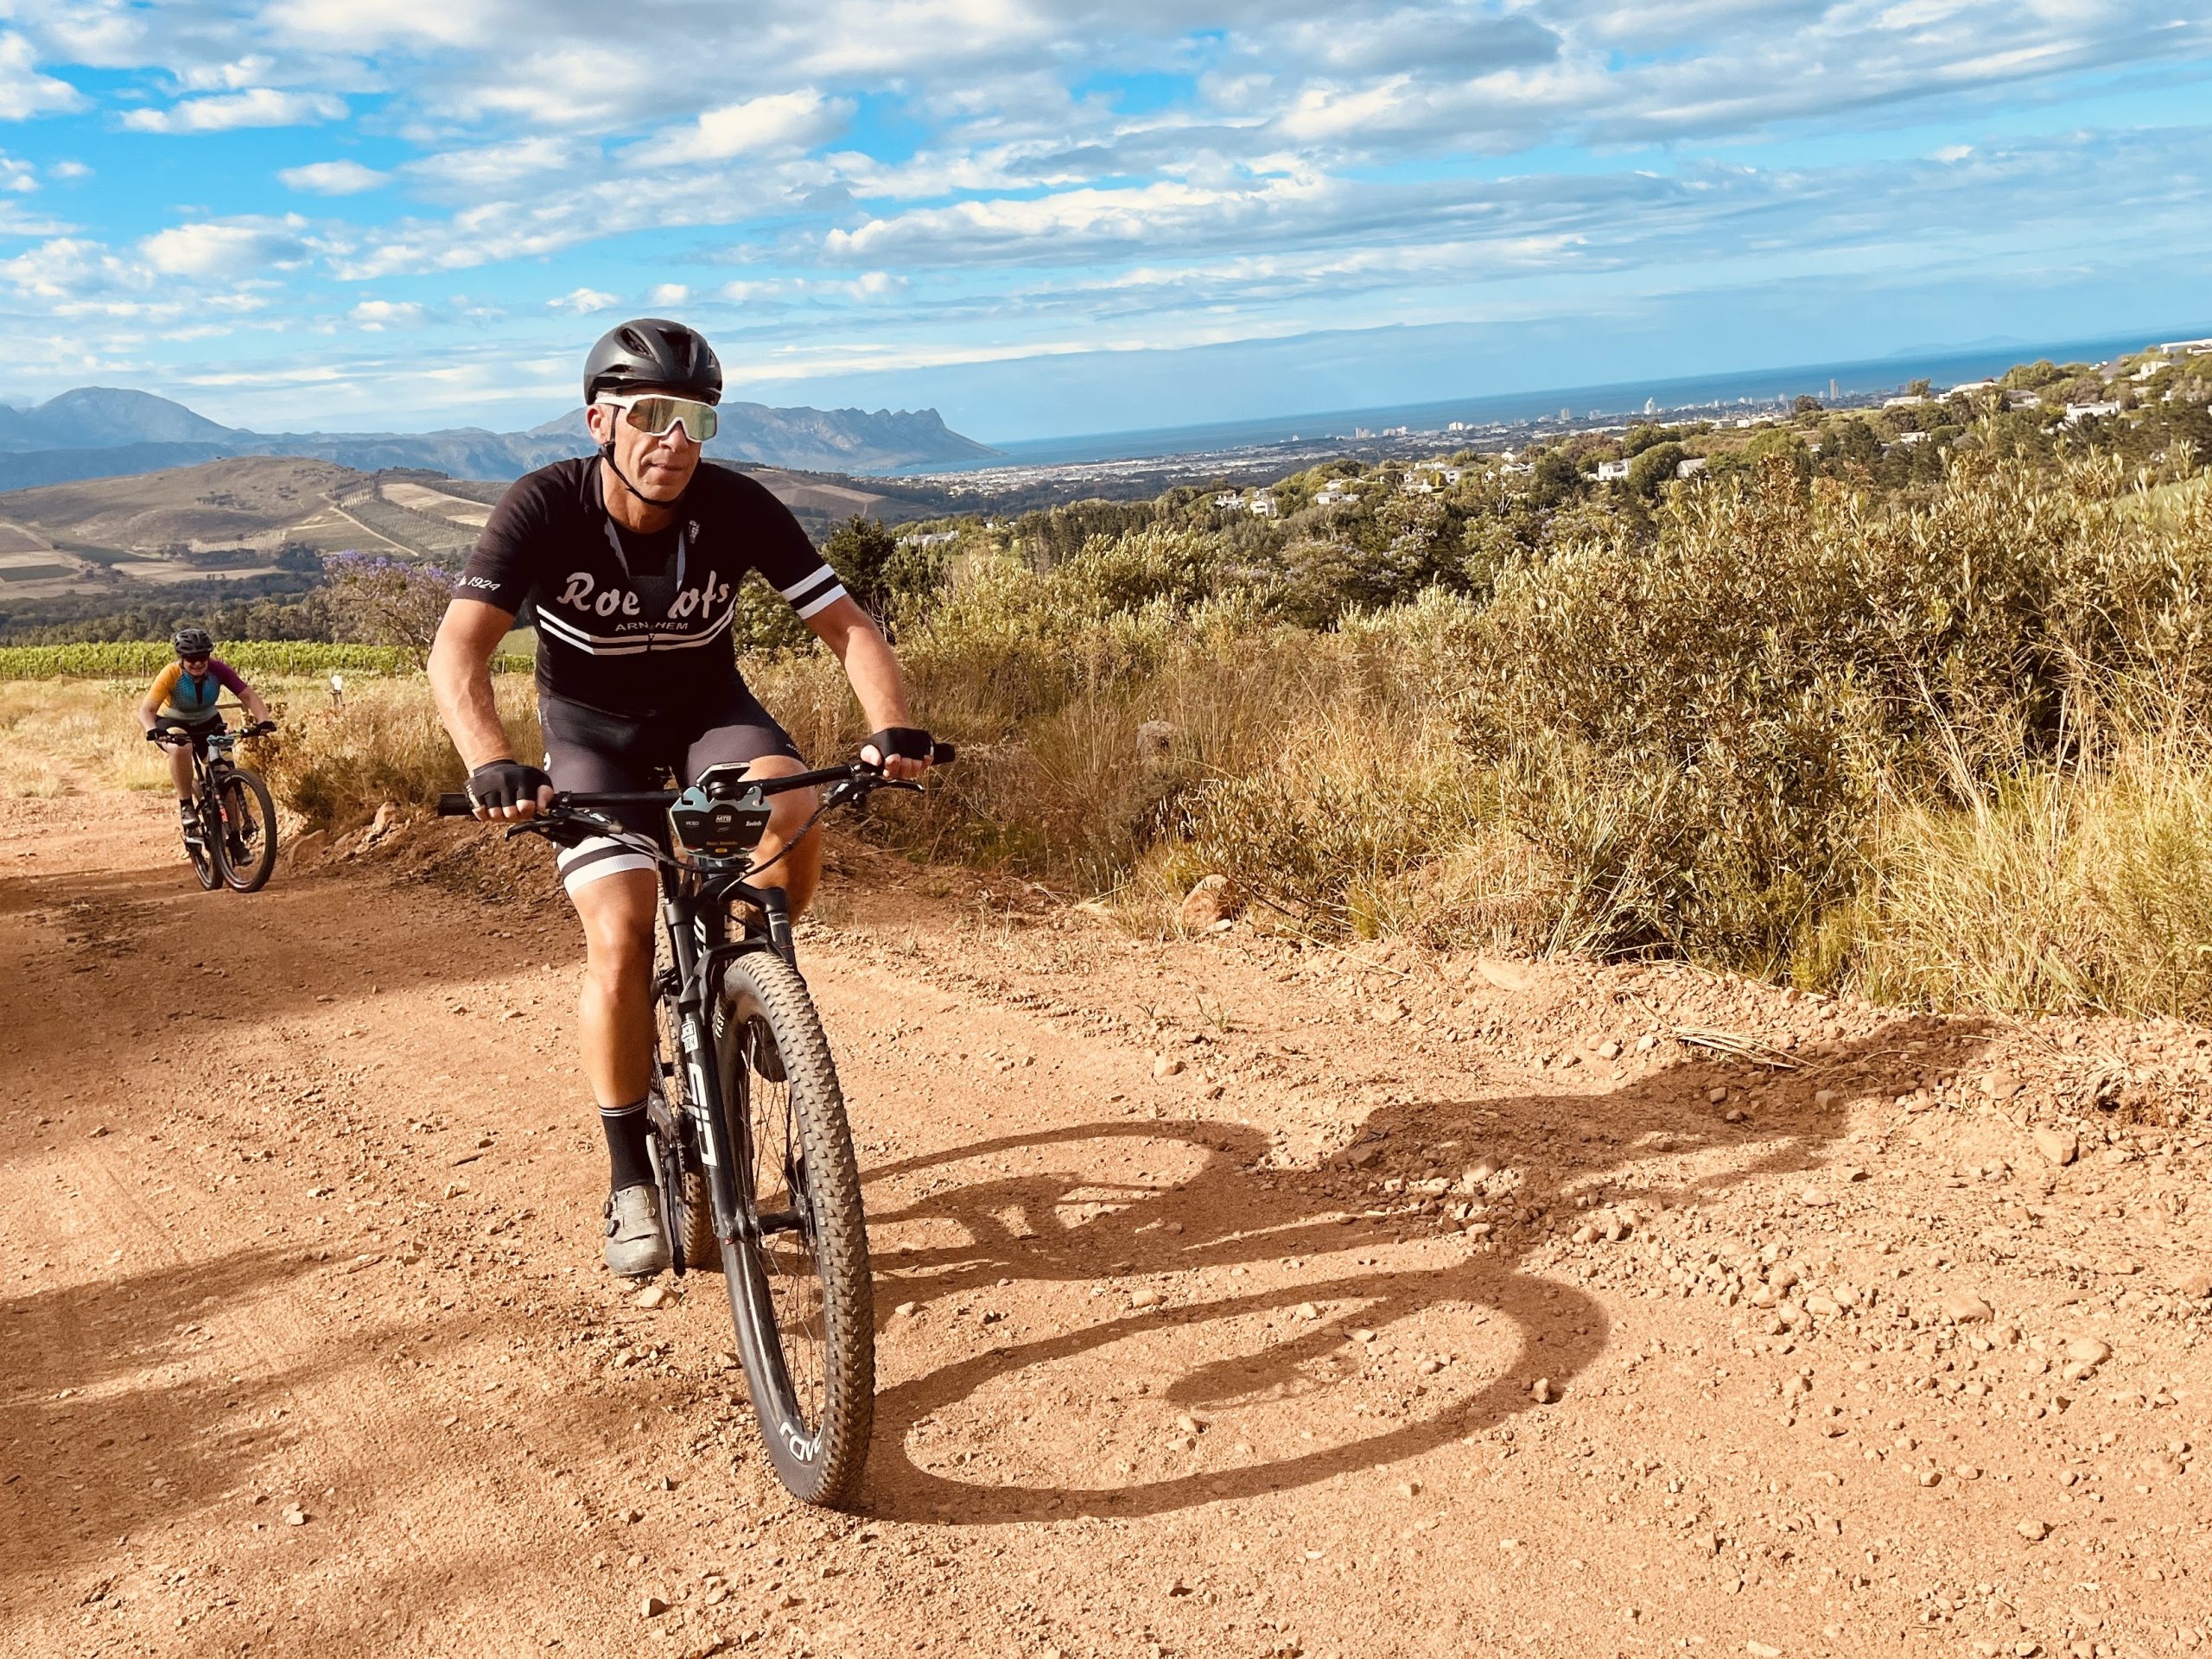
[588, 861]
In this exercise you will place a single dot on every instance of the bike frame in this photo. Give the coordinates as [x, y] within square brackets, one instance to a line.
[211, 758]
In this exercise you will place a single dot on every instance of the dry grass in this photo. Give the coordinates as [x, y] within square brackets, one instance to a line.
[335, 766]
[66, 736]
[2071, 887]
[1955, 755]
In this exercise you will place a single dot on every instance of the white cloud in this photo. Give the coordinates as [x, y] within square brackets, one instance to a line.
[583, 301]
[1074, 223]
[224, 249]
[669, 294]
[332, 178]
[68, 170]
[24, 91]
[263, 106]
[377, 314]
[352, 26]
[778, 122]
[591, 84]
[494, 167]
[238, 74]
[62, 268]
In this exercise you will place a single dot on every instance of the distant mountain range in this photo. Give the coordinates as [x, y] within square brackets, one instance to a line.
[113, 432]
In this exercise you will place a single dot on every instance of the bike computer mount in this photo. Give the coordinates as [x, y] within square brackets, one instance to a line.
[720, 816]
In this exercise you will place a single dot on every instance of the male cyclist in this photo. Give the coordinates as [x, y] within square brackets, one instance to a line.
[634, 556]
[183, 700]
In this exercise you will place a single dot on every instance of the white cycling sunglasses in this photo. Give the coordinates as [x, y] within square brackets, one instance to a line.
[654, 413]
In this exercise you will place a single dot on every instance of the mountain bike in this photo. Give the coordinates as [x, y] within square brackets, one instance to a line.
[751, 1150]
[234, 841]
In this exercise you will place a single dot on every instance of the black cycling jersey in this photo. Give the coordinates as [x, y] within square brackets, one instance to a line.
[633, 624]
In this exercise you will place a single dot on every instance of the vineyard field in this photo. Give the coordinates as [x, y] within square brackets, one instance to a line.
[143, 659]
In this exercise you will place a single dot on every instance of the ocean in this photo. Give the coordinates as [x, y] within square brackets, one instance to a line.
[1625, 398]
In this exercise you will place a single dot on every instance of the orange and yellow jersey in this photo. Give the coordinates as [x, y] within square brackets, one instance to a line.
[193, 696]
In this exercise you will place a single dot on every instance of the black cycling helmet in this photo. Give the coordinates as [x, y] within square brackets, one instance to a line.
[653, 351]
[193, 642]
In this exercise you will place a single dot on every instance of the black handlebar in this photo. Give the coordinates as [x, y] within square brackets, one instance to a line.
[170, 732]
[458, 806]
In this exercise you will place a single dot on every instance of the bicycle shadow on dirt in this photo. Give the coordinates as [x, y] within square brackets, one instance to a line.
[1231, 1212]
[101, 1442]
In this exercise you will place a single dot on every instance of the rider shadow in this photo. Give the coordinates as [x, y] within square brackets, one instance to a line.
[1232, 1212]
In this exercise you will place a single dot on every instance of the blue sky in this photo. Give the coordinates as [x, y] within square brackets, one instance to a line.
[1054, 216]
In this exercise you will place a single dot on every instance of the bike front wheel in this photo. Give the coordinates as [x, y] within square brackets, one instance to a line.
[200, 849]
[798, 1275]
[247, 848]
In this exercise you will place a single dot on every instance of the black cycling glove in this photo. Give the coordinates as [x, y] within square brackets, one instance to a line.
[505, 783]
[904, 741]
[155, 735]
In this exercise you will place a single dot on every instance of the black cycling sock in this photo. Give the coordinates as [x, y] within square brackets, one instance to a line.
[626, 1146]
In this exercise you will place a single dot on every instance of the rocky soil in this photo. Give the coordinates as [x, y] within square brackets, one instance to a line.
[1237, 1299]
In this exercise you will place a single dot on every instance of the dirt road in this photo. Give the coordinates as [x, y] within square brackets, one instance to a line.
[1237, 1300]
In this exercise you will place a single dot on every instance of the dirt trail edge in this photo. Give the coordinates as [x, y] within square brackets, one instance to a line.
[1235, 1299]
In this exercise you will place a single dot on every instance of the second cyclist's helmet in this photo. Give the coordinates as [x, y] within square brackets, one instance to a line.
[193, 642]
[653, 351]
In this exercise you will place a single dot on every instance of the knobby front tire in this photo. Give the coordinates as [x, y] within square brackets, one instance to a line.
[247, 851]
[202, 852]
[802, 1298]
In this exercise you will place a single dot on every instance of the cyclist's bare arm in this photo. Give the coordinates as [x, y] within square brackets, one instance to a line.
[460, 681]
[852, 635]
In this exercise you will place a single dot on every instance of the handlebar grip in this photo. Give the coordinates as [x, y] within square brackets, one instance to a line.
[456, 806]
[943, 754]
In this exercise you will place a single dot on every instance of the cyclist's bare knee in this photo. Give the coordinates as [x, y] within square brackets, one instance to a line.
[618, 913]
[789, 815]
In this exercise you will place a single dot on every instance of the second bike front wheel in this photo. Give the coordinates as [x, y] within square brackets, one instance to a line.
[200, 849]
[247, 851]
[800, 1289]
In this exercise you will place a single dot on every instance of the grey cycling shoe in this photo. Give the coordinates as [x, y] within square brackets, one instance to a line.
[636, 1239]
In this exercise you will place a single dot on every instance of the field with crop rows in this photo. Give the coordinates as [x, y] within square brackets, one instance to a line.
[145, 658]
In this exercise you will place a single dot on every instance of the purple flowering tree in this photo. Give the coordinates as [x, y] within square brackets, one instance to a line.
[385, 601]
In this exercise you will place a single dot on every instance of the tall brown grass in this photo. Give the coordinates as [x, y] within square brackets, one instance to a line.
[1952, 753]
[334, 766]
[64, 737]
